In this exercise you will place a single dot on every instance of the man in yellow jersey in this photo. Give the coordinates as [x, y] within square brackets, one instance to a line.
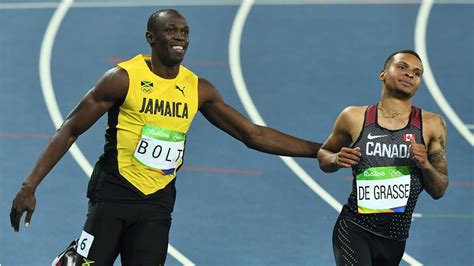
[150, 103]
[395, 150]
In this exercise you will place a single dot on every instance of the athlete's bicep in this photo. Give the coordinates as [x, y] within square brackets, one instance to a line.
[341, 134]
[222, 115]
[108, 91]
[437, 146]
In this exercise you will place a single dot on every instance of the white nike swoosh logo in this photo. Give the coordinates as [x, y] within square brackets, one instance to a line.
[370, 136]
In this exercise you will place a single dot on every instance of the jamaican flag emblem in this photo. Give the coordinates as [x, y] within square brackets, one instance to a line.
[147, 86]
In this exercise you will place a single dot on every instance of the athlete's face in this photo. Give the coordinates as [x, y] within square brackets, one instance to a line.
[170, 38]
[402, 76]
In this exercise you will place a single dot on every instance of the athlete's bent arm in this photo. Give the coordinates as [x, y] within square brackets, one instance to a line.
[334, 153]
[110, 89]
[265, 139]
[432, 160]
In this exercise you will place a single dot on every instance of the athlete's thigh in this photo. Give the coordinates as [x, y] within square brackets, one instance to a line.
[350, 244]
[146, 241]
[102, 233]
[387, 252]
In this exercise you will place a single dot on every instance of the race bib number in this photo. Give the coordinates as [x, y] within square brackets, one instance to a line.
[84, 244]
[383, 189]
[160, 149]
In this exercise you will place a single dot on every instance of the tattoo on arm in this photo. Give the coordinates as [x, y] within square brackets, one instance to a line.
[437, 157]
[438, 160]
[440, 138]
[441, 142]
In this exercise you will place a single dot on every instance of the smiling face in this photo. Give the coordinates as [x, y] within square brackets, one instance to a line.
[402, 74]
[168, 36]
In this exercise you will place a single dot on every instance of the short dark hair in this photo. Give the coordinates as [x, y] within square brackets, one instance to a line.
[390, 57]
[152, 20]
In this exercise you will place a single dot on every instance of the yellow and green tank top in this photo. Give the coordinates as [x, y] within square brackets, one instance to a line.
[146, 134]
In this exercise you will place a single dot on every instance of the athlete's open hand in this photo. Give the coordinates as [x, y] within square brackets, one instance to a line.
[347, 157]
[418, 154]
[24, 201]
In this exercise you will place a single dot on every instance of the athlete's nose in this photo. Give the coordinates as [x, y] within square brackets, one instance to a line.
[181, 36]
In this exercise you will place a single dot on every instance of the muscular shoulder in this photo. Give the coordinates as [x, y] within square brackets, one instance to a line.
[203, 83]
[430, 117]
[354, 111]
[117, 77]
[350, 121]
[113, 85]
[352, 115]
[433, 124]
[207, 92]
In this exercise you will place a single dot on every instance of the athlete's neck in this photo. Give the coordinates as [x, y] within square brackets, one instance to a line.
[167, 72]
[392, 107]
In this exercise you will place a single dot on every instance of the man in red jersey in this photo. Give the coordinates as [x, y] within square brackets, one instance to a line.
[395, 151]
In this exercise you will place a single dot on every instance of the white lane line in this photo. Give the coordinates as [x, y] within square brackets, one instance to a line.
[179, 256]
[420, 46]
[47, 84]
[242, 91]
[52, 105]
[95, 4]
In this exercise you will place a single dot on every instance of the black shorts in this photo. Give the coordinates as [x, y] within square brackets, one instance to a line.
[138, 232]
[353, 245]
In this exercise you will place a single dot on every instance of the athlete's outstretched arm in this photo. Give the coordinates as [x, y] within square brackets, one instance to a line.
[432, 159]
[335, 152]
[110, 89]
[260, 138]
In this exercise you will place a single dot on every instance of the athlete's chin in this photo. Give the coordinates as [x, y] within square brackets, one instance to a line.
[404, 94]
[177, 57]
[174, 61]
[180, 59]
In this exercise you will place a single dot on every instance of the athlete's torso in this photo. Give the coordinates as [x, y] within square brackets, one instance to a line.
[145, 136]
[386, 182]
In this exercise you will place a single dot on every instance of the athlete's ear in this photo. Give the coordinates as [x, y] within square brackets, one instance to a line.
[150, 38]
[382, 75]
